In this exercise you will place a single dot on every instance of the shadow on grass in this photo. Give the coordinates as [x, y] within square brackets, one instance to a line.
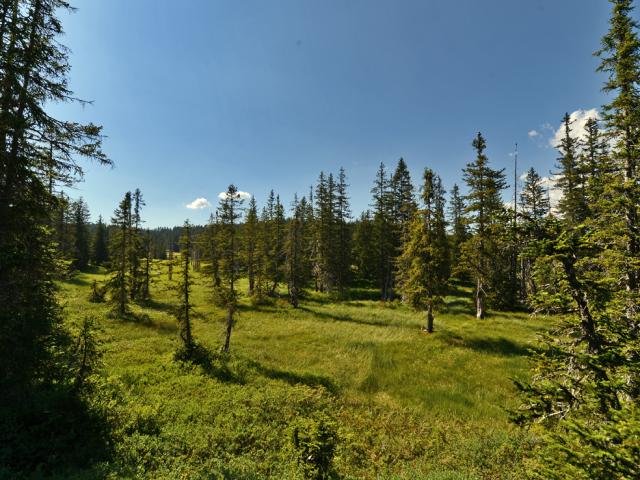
[294, 378]
[52, 431]
[78, 281]
[145, 320]
[496, 346]
[213, 364]
[346, 318]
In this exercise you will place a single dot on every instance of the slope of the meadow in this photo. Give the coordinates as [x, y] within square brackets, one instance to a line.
[403, 404]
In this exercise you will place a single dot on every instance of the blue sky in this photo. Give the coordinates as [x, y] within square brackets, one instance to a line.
[198, 94]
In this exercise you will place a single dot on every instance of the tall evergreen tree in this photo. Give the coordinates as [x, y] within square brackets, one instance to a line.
[620, 61]
[184, 291]
[100, 252]
[36, 150]
[365, 251]
[80, 235]
[534, 207]
[136, 243]
[403, 204]
[485, 212]
[119, 283]
[295, 264]
[383, 221]
[459, 233]
[250, 243]
[573, 203]
[229, 212]
[423, 271]
[342, 244]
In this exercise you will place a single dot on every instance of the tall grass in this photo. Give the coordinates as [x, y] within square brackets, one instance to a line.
[405, 404]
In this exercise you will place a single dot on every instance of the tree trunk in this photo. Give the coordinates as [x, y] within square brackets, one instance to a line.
[430, 319]
[227, 340]
[479, 301]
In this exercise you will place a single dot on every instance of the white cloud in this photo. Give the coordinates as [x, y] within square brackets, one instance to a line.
[199, 203]
[533, 133]
[241, 194]
[578, 120]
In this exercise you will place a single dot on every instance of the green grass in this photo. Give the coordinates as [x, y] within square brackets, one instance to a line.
[405, 404]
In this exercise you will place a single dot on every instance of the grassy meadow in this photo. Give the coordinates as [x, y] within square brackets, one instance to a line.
[404, 404]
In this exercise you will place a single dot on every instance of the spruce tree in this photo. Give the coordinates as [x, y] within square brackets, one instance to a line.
[365, 252]
[295, 261]
[34, 76]
[402, 200]
[342, 244]
[485, 211]
[250, 243]
[573, 203]
[423, 263]
[620, 61]
[80, 235]
[100, 252]
[229, 212]
[119, 283]
[136, 245]
[459, 233]
[184, 292]
[383, 221]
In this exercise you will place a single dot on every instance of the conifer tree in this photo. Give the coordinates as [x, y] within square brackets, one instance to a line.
[80, 235]
[485, 212]
[382, 220]
[212, 251]
[458, 224]
[342, 244]
[402, 200]
[100, 252]
[146, 271]
[585, 391]
[620, 61]
[229, 212]
[365, 252]
[119, 283]
[34, 76]
[250, 243]
[136, 243]
[184, 291]
[423, 271]
[295, 261]
[534, 207]
[573, 203]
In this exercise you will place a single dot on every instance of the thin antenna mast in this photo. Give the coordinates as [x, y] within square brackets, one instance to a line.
[515, 186]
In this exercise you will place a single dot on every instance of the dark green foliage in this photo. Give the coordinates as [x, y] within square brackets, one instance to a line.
[229, 212]
[36, 151]
[184, 291]
[297, 265]
[250, 244]
[313, 443]
[423, 264]
[585, 390]
[98, 293]
[365, 252]
[382, 224]
[80, 235]
[459, 233]
[483, 253]
[119, 284]
[100, 252]
[570, 179]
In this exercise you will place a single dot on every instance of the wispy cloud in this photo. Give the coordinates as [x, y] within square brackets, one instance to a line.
[533, 133]
[199, 203]
[241, 194]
